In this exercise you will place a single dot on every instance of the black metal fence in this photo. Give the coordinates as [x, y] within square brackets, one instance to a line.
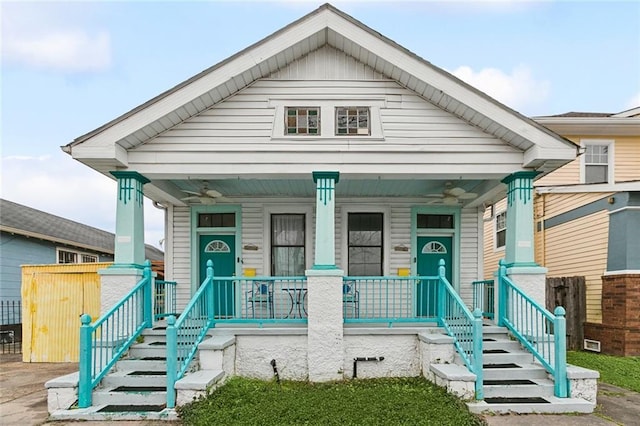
[10, 326]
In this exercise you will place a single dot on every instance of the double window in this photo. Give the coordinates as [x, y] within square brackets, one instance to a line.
[68, 256]
[348, 121]
[365, 244]
[287, 244]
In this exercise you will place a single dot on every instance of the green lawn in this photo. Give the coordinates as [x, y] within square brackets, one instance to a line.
[405, 401]
[618, 371]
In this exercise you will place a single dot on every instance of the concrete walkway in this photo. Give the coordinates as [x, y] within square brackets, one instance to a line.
[23, 401]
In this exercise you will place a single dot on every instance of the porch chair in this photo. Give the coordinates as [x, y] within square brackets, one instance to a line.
[351, 296]
[262, 294]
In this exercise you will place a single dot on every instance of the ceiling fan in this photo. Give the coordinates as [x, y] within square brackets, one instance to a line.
[451, 195]
[205, 195]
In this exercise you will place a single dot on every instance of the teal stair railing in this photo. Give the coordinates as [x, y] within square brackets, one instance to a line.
[187, 332]
[106, 340]
[165, 299]
[465, 327]
[483, 297]
[537, 329]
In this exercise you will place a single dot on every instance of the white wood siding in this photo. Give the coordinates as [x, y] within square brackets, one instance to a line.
[253, 219]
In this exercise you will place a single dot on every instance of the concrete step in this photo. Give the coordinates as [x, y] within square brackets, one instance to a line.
[93, 413]
[537, 387]
[135, 378]
[524, 371]
[145, 350]
[135, 364]
[552, 405]
[137, 397]
[516, 357]
[494, 329]
[508, 345]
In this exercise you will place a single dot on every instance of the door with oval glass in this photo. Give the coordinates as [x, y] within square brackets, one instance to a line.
[220, 249]
[430, 250]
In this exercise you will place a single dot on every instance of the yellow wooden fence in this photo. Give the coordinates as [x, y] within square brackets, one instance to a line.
[53, 298]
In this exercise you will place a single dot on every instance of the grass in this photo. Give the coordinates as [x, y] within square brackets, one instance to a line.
[403, 401]
[623, 372]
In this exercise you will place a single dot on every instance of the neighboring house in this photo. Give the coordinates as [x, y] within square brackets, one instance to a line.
[320, 171]
[33, 237]
[587, 223]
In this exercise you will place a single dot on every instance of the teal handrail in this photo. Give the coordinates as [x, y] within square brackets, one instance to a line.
[465, 328]
[537, 329]
[165, 299]
[187, 332]
[106, 340]
[483, 297]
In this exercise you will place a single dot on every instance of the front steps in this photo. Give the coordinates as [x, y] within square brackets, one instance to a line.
[515, 383]
[136, 387]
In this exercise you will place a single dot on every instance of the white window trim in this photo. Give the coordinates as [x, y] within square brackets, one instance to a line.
[610, 159]
[309, 231]
[345, 209]
[495, 232]
[79, 255]
[327, 117]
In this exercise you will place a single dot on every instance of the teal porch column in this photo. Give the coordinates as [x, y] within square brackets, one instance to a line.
[325, 219]
[519, 248]
[129, 244]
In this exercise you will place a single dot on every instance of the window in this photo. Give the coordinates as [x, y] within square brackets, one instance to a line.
[365, 244]
[302, 121]
[68, 256]
[217, 220]
[352, 121]
[596, 163]
[435, 221]
[501, 230]
[287, 244]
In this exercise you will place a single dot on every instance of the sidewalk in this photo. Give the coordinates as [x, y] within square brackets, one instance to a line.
[23, 401]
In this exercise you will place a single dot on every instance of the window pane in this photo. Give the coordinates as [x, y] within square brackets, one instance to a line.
[288, 261]
[595, 174]
[365, 244]
[352, 121]
[438, 221]
[501, 237]
[302, 121]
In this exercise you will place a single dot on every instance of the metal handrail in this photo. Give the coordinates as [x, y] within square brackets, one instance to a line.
[106, 340]
[165, 299]
[463, 326]
[187, 332]
[483, 297]
[537, 329]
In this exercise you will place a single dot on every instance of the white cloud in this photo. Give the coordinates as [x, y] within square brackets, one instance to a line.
[518, 89]
[46, 37]
[634, 102]
[66, 188]
[66, 50]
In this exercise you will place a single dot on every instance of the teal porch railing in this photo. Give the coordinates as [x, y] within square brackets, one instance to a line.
[537, 329]
[417, 299]
[483, 297]
[103, 342]
[165, 299]
[465, 328]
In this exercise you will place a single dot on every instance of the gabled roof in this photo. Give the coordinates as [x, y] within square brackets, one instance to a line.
[625, 123]
[22, 220]
[106, 147]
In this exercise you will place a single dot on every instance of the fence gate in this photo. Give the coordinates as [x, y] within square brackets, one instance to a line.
[53, 298]
[570, 293]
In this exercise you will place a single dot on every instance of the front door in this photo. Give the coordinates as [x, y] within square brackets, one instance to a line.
[220, 249]
[430, 251]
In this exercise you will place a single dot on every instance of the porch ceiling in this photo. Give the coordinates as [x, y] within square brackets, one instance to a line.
[414, 188]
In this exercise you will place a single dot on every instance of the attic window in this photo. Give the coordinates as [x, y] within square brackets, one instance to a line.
[302, 121]
[352, 121]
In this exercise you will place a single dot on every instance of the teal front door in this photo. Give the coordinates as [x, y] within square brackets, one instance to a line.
[220, 249]
[430, 251]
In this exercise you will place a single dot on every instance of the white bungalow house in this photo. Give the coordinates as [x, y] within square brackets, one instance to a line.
[327, 172]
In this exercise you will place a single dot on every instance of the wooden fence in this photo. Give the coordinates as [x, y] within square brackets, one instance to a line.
[570, 293]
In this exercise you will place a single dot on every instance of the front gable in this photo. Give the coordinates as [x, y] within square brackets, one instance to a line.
[431, 123]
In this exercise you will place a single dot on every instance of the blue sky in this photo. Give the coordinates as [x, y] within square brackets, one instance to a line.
[69, 67]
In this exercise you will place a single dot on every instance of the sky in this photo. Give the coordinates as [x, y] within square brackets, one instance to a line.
[70, 67]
